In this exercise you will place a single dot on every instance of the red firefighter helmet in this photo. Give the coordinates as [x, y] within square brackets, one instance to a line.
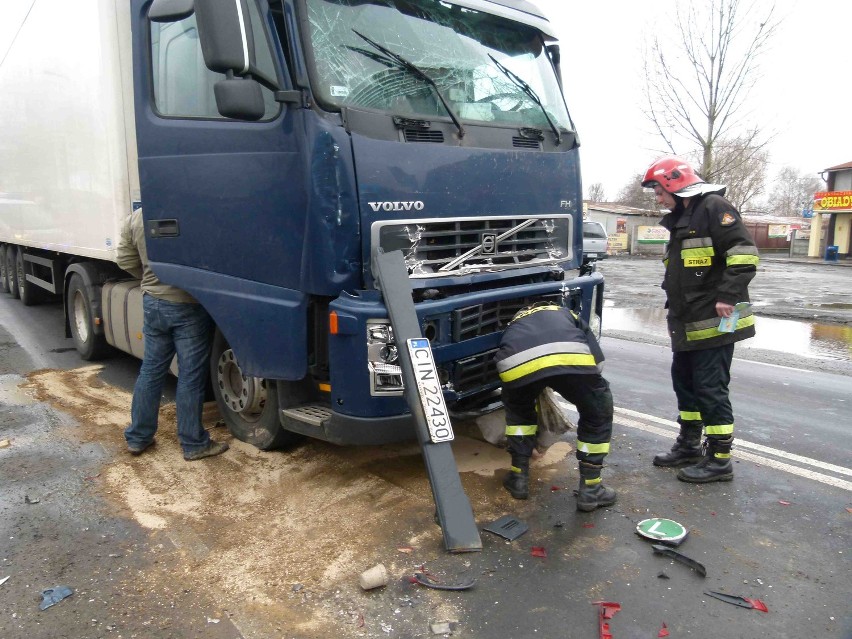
[671, 173]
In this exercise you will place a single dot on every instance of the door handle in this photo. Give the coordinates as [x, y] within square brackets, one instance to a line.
[162, 228]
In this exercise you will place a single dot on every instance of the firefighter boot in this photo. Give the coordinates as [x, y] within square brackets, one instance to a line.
[686, 449]
[517, 480]
[715, 466]
[592, 493]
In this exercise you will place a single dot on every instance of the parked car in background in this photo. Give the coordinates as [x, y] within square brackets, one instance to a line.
[594, 241]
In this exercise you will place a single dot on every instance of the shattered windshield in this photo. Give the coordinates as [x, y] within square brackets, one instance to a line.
[450, 44]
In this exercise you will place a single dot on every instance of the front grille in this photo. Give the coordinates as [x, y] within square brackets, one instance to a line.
[452, 247]
[421, 135]
[474, 373]
[484, 319]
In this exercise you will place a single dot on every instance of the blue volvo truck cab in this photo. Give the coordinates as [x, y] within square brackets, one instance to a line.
[283, 143]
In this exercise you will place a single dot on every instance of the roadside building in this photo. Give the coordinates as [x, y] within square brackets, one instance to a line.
[835, 203]
[626, 226]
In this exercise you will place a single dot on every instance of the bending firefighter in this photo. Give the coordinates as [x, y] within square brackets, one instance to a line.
[547, 345]
[710, 260]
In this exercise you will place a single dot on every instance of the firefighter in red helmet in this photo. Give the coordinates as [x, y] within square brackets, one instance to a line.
[710, 259]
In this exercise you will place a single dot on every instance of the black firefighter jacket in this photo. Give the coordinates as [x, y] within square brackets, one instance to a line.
[710, 258]
[544, 341]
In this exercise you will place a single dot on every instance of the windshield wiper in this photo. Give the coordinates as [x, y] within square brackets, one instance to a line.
[523, 86]
[417, 73]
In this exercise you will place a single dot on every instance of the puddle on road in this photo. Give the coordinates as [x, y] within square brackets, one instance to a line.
[810, 339]
[11, 393]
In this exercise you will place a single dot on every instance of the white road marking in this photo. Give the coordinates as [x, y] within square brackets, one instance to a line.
[786, 368]
[758, 459]
[742, 443]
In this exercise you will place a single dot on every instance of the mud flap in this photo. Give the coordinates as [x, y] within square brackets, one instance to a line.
[455, 515]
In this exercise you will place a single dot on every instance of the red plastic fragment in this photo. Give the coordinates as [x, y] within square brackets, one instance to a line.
[757, 604]
[553, 489]
[664, 631]
[783, 503]
[607, 610]
[588, 525]
[538, 551]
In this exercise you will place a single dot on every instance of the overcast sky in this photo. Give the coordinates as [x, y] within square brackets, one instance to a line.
[804, 93]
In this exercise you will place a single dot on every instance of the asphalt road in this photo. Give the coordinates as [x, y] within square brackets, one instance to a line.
[779, 533]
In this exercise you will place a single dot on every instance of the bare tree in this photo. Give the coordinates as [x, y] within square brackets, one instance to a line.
[792, 192]
[740, 163]
[596, 192]
[697, 79]
[633, 194]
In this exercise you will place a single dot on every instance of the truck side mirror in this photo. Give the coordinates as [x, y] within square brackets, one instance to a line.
[239, 99]
[170, 10]
[225, 33]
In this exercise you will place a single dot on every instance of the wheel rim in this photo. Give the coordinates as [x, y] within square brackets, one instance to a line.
[81, 317]
[242, 394]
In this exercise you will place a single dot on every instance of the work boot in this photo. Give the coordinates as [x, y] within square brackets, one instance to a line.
[212, 448]
[517, 480]
[715, 466]
[592, 493]
[686, 449]
[138, 449]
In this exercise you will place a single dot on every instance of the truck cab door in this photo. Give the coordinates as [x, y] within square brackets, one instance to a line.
[223, 199]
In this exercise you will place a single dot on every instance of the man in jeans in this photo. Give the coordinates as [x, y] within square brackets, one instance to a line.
[174, 323]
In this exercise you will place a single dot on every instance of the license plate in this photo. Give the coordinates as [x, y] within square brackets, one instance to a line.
[429, 389]
[591, 254]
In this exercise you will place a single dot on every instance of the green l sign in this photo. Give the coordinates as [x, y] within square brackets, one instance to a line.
[665, 530]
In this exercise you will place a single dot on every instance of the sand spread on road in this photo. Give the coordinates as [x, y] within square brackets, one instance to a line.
[270, 530]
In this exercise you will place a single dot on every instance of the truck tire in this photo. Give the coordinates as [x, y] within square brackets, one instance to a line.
[249, 405]
[89, 344]
[4, 278]
[11, 274]
[29, 293]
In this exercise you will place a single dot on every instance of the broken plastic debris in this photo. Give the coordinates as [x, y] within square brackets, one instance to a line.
[431, 582]
[53, 596]
[588, 524]
[538, 551]
[742, 602]
[659, 549]
[553, 489]
[4, 580]
[442, 627]
[507, 527]
[210, 620]
[27, 500]
[664, 631]
[606, 610]
[783, 503]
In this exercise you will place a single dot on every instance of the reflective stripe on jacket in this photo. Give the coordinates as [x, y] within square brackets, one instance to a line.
[544, 341]
[710, 258]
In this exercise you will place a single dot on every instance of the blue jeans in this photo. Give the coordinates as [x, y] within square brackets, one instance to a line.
[170, 327]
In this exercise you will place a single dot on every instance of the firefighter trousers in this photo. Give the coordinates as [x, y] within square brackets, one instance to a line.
[588, 392]
[700, 380]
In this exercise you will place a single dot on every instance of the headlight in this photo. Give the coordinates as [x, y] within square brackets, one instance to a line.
[382, 358]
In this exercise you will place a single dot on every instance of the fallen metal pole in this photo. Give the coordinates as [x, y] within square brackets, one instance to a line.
[454, 512]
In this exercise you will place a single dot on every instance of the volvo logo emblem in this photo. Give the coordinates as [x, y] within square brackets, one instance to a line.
[489, 244]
